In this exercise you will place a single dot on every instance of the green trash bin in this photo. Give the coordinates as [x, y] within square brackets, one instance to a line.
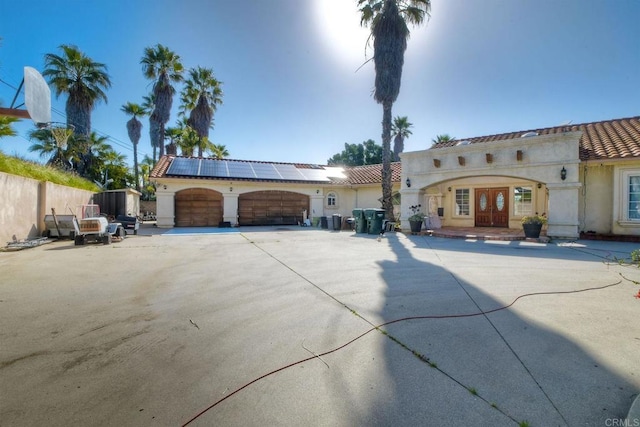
[361, 222]
[375, 219]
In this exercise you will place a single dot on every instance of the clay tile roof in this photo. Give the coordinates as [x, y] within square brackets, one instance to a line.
[161, 167]
[608, 139]
[369, 174]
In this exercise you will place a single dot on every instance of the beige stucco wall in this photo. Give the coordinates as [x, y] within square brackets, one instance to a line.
[542, 158]
[25, 202]
[348, 197]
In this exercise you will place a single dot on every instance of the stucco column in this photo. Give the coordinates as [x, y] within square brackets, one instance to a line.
[166, 206]
[230, 213]
[409, 197]
[563, 210]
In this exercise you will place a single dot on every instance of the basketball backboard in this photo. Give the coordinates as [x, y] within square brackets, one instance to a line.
[37, 96]
[37, 99]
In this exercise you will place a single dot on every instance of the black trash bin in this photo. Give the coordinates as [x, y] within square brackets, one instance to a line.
[323, 222]
[337, 222]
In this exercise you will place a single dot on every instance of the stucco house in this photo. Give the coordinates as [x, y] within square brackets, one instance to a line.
[194, 191]
[584, 178]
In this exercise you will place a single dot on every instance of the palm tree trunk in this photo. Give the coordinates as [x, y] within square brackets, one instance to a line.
[135, 165]
[387, 205]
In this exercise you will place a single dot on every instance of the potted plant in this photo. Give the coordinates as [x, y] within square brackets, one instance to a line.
[415, 220]
[532, 225]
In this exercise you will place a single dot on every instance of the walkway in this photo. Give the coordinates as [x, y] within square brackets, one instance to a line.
[480, 233]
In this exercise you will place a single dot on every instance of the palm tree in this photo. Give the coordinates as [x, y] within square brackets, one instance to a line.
[173, 134]
[83, 79]
[164, 67]
[5, 126]
[189, 141]
[388, 22]
[201, 96]
[134, 129]
[154, 129]
[46, 146]
[219, 151]
[400, 131]
[441, 138]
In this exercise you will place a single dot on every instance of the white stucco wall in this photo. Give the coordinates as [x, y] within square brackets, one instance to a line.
[541, 160]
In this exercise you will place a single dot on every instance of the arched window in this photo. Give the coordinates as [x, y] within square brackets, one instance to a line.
[332, 199]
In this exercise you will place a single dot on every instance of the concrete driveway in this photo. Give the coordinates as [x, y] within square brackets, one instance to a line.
[156, 329]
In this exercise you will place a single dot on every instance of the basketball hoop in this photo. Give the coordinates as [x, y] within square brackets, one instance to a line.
[60, 132]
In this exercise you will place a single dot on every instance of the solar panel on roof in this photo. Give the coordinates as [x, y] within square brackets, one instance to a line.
[181, 166]
[289, 172]
[314, 174]
[240, 170]
[265, 171]
[213, 168]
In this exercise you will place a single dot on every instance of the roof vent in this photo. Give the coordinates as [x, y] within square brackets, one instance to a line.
[465, 142]
[528, 134]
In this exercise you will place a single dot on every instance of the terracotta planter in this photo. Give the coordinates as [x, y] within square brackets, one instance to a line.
[532, 230]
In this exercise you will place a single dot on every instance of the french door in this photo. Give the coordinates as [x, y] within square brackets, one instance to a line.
[492, 207]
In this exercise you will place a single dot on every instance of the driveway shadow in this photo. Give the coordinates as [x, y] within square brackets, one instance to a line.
[447, 363]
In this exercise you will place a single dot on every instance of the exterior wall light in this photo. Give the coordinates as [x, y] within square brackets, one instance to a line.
[563, 174]
[164, 186]
[408, 182]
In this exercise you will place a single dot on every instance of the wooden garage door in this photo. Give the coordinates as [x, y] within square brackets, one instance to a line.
[198, 207]
[271, 208]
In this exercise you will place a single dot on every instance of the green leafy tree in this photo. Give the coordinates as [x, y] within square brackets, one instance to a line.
[134, 129]
[164, 67]
[200, 97]
[400, 130]
[148, 188]
[388, 20]
[365, 153]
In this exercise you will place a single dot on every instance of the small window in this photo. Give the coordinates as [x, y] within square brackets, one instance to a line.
[332, 199]
[522, 201]
[462, 201]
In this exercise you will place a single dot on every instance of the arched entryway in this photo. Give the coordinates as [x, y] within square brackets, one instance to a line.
[271, 208]
[198, 207]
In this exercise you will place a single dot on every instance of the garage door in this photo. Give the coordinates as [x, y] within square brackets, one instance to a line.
[271, 208]
[198, 207]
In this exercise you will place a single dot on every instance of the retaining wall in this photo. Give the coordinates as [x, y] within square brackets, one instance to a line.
[24, 202]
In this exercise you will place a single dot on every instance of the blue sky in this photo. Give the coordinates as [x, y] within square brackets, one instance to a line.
[292, 88]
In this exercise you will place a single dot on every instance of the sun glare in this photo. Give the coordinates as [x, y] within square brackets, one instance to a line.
[338, 23]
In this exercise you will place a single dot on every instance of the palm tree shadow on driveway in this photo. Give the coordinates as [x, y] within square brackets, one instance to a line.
[528, 362]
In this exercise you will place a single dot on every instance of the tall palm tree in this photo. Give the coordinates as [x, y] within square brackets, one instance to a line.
[388, 22]
[82, 79]
[400, 129]
[201, 96]
[154, 128]
[134, 129]
[163, 66]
